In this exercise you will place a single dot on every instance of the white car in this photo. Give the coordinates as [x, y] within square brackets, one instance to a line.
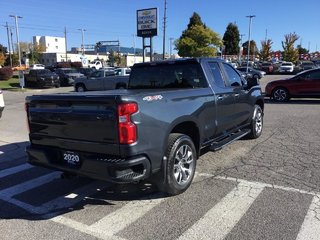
[37, 66]
[1, 103]
[286, 67]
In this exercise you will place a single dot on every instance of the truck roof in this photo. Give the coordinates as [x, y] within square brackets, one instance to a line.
[179, 60]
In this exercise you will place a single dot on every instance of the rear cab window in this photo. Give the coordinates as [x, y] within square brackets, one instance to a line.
[167, 75]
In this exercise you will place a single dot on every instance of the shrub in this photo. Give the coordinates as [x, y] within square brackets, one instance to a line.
[63, 65]
[5, 73]
[76, 64]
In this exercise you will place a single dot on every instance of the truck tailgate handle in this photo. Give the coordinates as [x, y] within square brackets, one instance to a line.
[220, 97]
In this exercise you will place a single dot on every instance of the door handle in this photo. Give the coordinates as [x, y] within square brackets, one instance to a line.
[220, 97]
[236, 94]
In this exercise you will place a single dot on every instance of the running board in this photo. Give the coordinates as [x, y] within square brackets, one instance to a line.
[215, 146]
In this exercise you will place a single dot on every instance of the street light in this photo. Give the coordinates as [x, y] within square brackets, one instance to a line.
[250, 20]
[82, 37]
[17, 32]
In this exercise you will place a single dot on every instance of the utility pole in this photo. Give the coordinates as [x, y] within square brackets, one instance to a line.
[266, 36]
[240, 53]
[82, 37]
[65, 39]
[250, 21]
[171, 40]
[11, 40]
[18, 41]
[9, 47]
[164, 29]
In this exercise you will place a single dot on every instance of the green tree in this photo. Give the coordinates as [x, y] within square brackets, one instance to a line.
[198, 40]
[3, 49]
[35, 53]
[114, 58]
[302, 50]
[290, 53]
[231, 40]
[2, 58]
[265, 53]
[253, 48]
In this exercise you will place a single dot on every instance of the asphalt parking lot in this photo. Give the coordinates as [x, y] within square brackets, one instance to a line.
[267, 188]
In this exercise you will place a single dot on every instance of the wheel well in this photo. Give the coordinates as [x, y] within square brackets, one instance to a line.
[261, 104]
[190, 129]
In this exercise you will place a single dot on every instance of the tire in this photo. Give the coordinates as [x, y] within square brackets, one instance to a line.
[57, 85]
[256, 76]
[181, 164]
[80, 88]
[256, 125]
[280, 95]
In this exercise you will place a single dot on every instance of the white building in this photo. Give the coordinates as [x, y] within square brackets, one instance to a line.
[51, 44]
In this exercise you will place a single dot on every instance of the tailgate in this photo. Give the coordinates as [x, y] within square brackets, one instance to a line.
[77, 122]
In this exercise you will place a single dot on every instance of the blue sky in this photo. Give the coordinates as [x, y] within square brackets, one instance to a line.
[113, 20]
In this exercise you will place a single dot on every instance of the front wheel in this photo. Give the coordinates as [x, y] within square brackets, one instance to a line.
[280, 95]
[256, 123]
[181, 164]
[80, 88]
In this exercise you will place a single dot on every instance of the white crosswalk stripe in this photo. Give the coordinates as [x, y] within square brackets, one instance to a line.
[219, 220]
[310, 229]
[14, 170]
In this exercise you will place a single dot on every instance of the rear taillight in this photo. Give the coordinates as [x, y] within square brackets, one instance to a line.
[127, 129]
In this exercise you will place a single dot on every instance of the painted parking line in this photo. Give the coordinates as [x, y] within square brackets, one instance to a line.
[13, 170]
[310, 228]
[25, 186]
[221, 219]
[123, 217]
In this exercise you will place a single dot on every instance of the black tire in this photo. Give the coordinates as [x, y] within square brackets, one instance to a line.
[280, 94]
[181, 164]
[80, 88]
[256, 125]
[57, 85]
[256, 76]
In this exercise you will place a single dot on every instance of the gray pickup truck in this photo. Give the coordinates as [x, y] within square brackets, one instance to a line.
[103, 79]
[171, 113]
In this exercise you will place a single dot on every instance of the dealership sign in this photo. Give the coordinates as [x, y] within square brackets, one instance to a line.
[147, 22]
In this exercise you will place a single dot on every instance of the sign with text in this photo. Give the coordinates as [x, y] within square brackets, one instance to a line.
[147, 22]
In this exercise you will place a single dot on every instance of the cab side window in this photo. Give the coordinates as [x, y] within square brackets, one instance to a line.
[216, 73]
[232, 75]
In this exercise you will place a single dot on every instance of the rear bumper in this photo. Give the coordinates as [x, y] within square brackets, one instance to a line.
[92, 165]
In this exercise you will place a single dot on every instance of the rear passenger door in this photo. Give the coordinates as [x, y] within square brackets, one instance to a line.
[242, 107]
[224, 98]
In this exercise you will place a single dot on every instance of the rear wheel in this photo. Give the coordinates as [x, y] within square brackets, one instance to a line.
[256, 123]
[280, 95]
[80, 88]
[181, 164]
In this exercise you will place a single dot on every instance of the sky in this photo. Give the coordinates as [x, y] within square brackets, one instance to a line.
[107, 20]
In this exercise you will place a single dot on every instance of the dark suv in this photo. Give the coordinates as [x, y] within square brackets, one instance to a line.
[68, 75]
[41, 78]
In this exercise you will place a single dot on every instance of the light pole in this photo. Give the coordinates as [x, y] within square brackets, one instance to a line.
[18, 41]
[250, 20]
[82, 37]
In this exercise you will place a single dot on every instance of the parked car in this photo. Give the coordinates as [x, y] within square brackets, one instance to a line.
[267, 67]
[2, 105]
[100, 80]
[304, 84]
[41, 78]
[68, 75]
[86, 71]
[286, 67]
[37, 66]
[254, 72]
[304, 65]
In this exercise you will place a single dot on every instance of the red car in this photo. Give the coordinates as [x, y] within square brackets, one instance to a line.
[304, 84]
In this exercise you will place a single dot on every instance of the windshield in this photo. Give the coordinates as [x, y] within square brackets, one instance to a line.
[178, 75]
[71, 71]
